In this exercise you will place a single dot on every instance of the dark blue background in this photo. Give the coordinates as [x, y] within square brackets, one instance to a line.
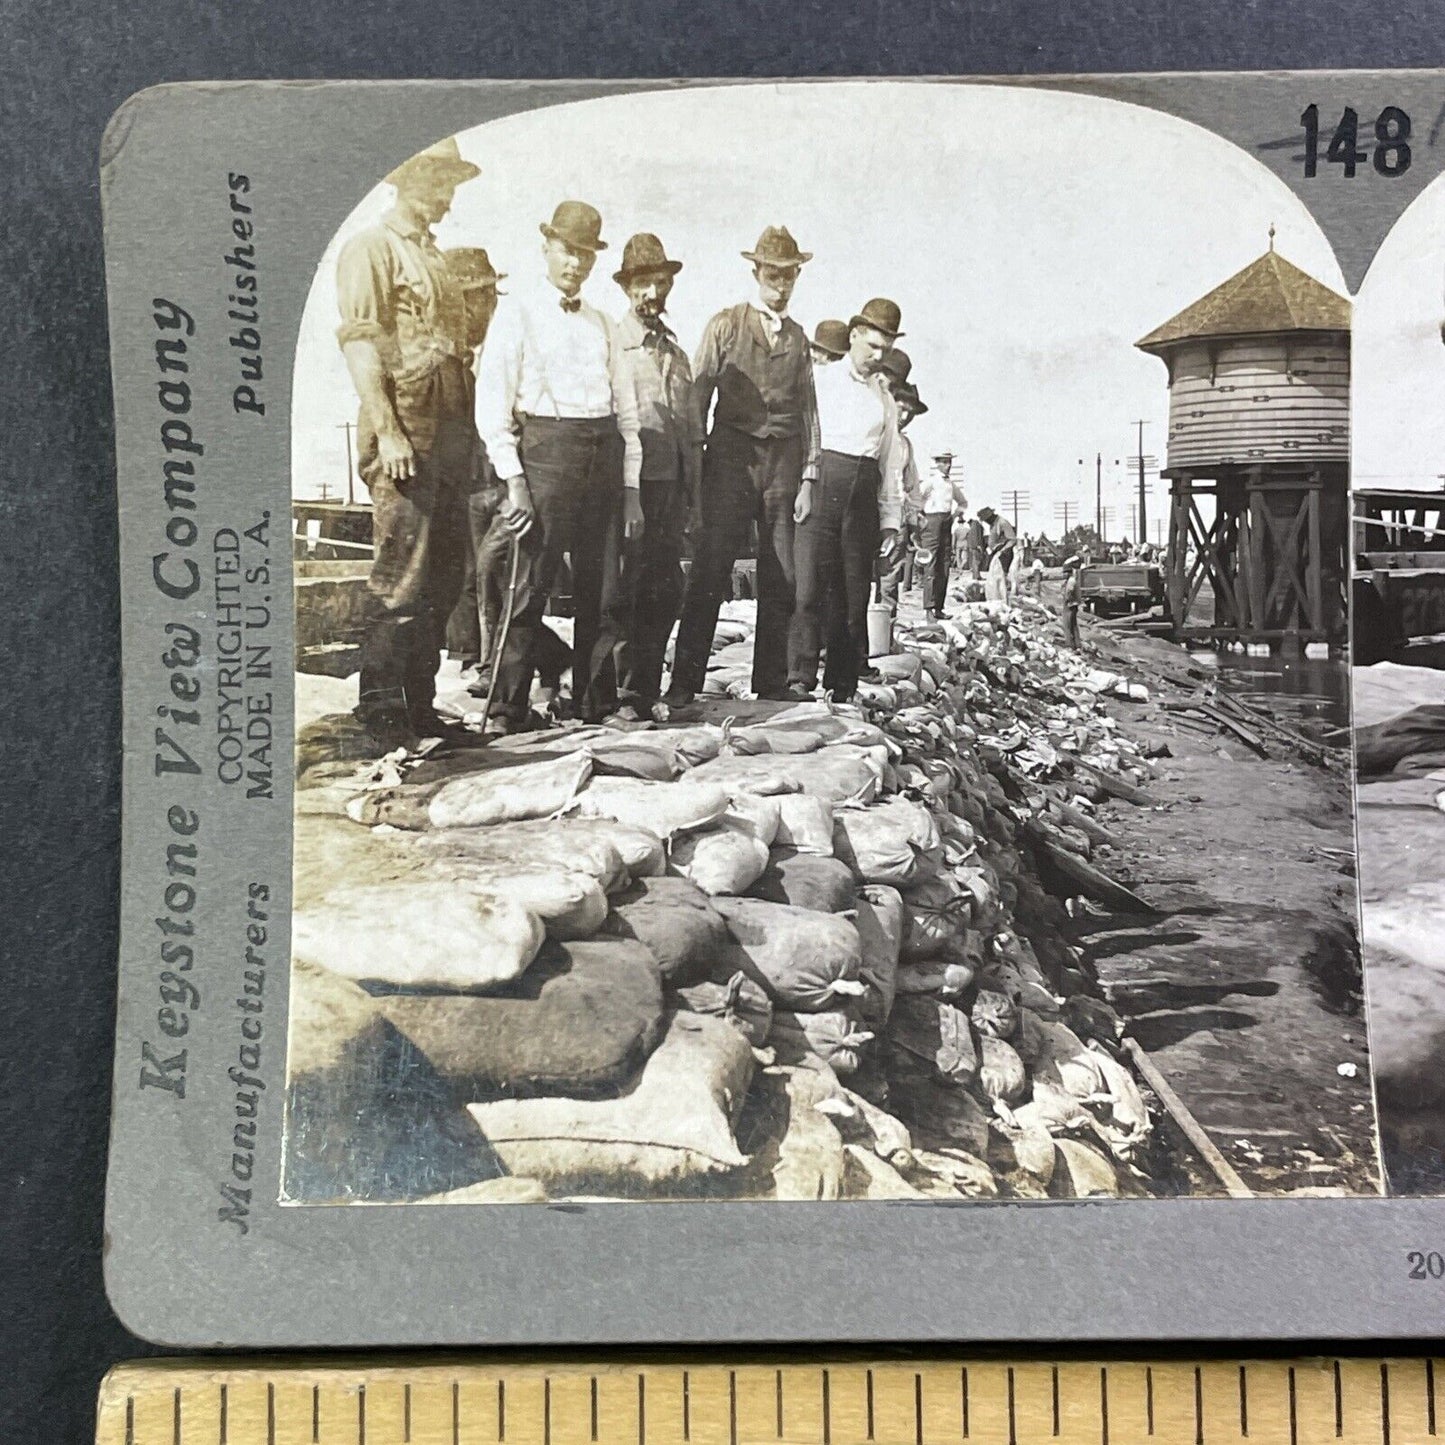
[64, 67]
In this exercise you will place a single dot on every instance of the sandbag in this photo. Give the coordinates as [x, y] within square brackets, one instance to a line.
[811, 1162]
[509, 794]
[674, 920]
[665, 809]
[413, 935]
[1002, 1077]
[836, 1036]
[805, 823]
[751, 741]
[570, 905]
[740, 1001]
[805, 959]
[837, 773]
[935, 975]
[915, 820]
[762, 815]
[937, 912]
[580, 1021]
[628, 758]
[937, 1034]
[1082, 1173]
[556, 843]
[874, 846]
[995, 1014]
[727, 858]
[830, 725]
[822, 884]
[880, 932]
[672, 1127]
[641, 850]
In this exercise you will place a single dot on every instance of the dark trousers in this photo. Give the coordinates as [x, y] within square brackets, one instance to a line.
[574, 474]
[744, 479]
[420, 537]
[473, 618]
[836, 550]
[652, 583]
[937, 539]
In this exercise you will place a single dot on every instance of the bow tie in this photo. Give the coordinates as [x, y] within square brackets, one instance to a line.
[571, 304]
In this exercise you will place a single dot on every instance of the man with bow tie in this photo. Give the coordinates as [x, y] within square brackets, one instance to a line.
[671, 432]
[761, 457]
[558, 413]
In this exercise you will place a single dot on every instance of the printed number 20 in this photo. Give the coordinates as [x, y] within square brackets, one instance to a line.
[1391, 155]
[1426, 1266]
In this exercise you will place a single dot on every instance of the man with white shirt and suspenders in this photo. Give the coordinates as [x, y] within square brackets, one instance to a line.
[857, 506]
[558, 413]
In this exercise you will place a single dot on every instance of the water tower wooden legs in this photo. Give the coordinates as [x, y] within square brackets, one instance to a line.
[1268, 553]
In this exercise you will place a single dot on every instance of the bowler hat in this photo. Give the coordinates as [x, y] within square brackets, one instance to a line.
[832, 337]
[440, 164]
[896, 365]
[472, 267]
[576, 223]
[944, 454]
[776, 247]
[905, 391]
[642, 253]
[882, 315]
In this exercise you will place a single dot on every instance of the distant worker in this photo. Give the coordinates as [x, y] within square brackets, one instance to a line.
[941, 496]
[1001, 543]
[830, 342]
[896, 369]
[975, 544]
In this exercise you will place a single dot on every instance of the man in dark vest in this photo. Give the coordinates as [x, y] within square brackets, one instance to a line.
[760, 461]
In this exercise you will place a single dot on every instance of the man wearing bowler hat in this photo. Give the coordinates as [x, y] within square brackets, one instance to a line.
[671, 431]
[557, 411]
[896, 369]
[759, 463]
[402, 333]
[830, 342]
[857, 508]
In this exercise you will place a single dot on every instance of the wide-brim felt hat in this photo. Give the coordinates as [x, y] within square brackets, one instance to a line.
[576, 223]
[776, 247]
[472, 267]
[441, 164]
[832, 337]
[642, 254]
[882, 315]
[906, 391]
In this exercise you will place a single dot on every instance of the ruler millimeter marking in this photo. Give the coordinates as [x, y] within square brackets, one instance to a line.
[1349, 1401]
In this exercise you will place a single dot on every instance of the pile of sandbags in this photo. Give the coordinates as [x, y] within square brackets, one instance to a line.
[809, 956]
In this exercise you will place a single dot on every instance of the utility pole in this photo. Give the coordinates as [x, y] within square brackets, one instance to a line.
[1099, 494]
[1065, 512]
[1106, 521]
[1142, 528]
[1015, 500]
[347, 426]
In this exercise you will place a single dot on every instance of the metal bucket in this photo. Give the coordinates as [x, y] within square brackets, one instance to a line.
[880, 629]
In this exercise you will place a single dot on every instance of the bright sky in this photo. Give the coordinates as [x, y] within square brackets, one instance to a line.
[1030, 237]
[1398, 402]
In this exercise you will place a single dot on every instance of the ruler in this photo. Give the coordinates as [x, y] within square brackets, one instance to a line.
[762, 1402]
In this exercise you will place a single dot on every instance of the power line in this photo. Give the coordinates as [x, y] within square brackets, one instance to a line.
[1016, 499]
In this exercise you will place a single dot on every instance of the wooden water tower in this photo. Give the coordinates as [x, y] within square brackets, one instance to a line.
[1259, 394]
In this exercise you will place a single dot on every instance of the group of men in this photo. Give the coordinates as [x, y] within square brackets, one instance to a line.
[503, 440]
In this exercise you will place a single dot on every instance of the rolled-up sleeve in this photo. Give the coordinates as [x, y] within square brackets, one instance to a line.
[365, 293]
[624, 403]
[498, 374]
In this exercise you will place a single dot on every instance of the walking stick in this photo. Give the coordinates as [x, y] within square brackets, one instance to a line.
[515, 549]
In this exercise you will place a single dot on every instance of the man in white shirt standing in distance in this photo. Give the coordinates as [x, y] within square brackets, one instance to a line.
[940, 496]
[857, 509]
[759, 463]
[671, 431]
[558, 413]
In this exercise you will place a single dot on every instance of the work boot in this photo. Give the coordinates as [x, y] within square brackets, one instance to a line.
[797, 692]
[679, 696]
[389, 730]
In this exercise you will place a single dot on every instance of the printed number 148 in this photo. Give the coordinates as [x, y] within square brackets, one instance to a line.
[1391, 154]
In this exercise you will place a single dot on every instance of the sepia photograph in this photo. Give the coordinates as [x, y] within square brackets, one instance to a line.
[823, 663]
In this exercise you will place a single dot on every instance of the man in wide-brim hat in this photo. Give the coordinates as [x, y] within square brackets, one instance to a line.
[671, 432]
[851, 529]
[403, 333]
[941, 498]
[557, 410]
[761, 454]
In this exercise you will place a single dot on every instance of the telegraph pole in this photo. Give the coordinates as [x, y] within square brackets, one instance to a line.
[1015, 500]
[1099, 494]
[1065, 512]
[1142, 530]
[347, 426]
